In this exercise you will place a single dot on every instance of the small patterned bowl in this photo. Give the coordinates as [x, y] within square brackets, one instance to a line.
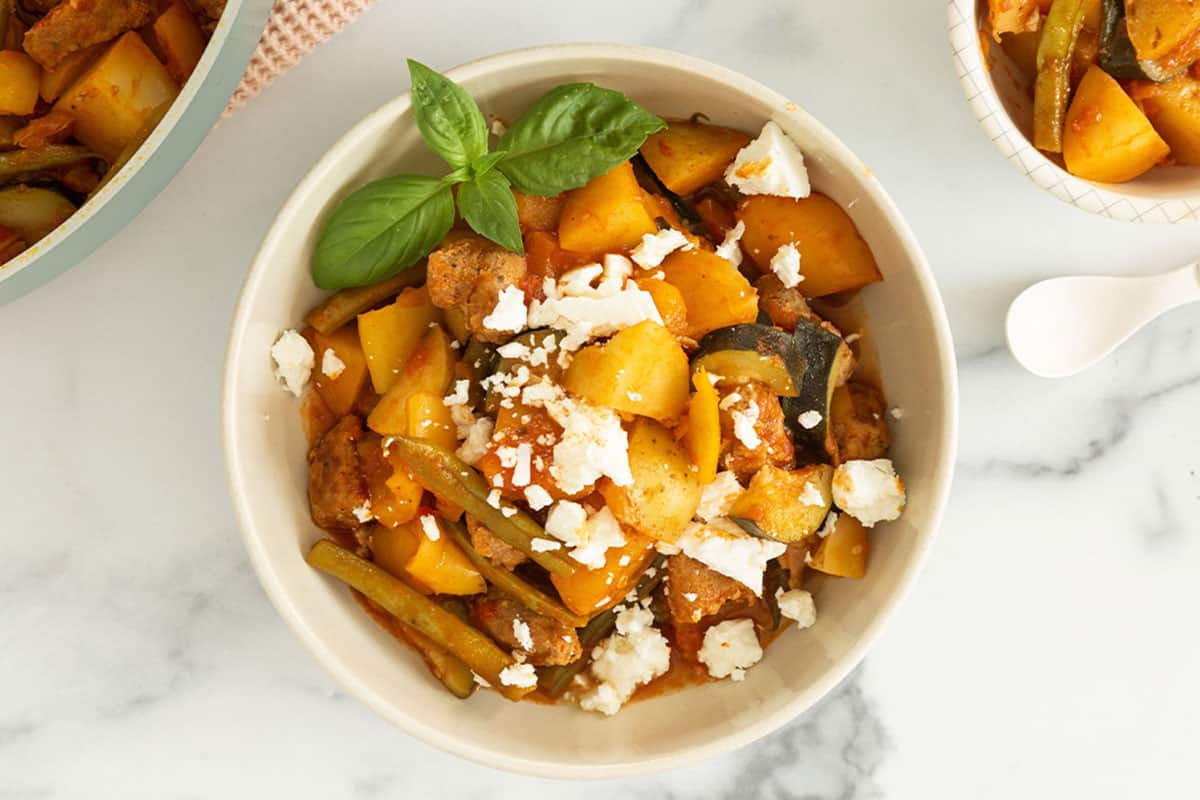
[999, 95]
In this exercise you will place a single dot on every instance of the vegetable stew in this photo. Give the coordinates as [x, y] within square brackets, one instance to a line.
[591, 444]
[82, 84]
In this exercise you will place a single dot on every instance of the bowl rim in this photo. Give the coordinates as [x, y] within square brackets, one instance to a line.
[437, 736]
[152, 166]
[1110, 200]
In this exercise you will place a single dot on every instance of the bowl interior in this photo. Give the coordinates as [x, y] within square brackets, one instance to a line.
[266, 450]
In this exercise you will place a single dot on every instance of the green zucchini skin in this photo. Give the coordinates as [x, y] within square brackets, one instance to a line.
[753, 352]
[827, 359]
[1117, 56]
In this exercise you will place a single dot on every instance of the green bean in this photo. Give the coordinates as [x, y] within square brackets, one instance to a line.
[530, 597]
[411, 607]
[442, 473]
[17, 163]
[341, 307]
[1052, 86]
[553, 681]
[451, 670]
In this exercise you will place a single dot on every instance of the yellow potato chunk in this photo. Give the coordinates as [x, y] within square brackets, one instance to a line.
[1173, 108]
[20, 78]
[703, 438]
[429, 370]
[665, 491]
[390, 334]
[689, 155]
[843, 552]
[642, 370]
[180, 40]
[608, 215]
[67, 71]
[588, 591]
[1107, 137]
[715, 293]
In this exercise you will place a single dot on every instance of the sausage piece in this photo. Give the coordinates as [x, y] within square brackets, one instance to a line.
[696, 591]
[549, 642]
[74, 25]
[468, 272]
[756, 401]
[491, 546]
[336, 483]
[859, 422]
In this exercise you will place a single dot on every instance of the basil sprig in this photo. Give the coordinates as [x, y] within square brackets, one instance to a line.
[569, 136]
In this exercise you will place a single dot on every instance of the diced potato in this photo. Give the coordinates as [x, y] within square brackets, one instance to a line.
[55, 81]
[773, 501]
[339, 393]
[395, 496]
[440, 565]
[714, 292]
[113, 100]
[608, 215]
[430, 369]
[843, 552]
[665, 491]
[703, 437]
[716, 216]
[389, 335]
[179, 40]
[1157, 27]
[391, 548]
[20, 78]
[689, 155]
[641, 370]
[1106, 136]
[1173, 108]
[669, 302]
[833, 257]
[589, 591]
[538, 213]
[429, 419]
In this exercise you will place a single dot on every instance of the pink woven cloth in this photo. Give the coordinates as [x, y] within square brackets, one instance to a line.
[294, 29]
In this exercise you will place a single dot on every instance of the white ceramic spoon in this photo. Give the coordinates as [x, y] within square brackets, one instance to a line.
[1064, 325]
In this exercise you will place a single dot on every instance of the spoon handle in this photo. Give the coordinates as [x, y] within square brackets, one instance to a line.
[1177, 287]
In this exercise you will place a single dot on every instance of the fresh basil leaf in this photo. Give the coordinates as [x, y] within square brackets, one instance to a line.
[458, 176]
[382, 228]
[572, 134]
[488, 206]
[485, 164]
[449, 120]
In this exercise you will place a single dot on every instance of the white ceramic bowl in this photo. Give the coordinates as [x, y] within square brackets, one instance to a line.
[999, 97]
[265, 449]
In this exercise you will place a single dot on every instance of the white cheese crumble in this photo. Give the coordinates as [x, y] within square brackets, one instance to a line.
[509, 313]
[743, 426]
[479, 679]
[635, 655]
[537, 497]
[869, 491]
[723, 546]
[521, 469]
[593, 443]
[493, 498]
[811, 495]
[691, 597]
[786, 265]
[590, 536]
[520, 675]
[363, 513]
[540, 545]
[332, 366]
[827, 527]
[809, 419]
[897, 413]
[478, 436]
[655, 247]
[798, 605]
[729, 249]
[585, 312]
[430, 527]
[461, 395]
[719, 496]
[730, 648]
[293, 361]
[771, 164]
[522, 634]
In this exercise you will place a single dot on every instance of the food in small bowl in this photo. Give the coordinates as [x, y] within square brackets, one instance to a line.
[81, 87]
[525, 548]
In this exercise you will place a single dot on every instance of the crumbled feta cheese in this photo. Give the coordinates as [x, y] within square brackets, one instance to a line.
[332, 366]
[478, 436]
[430, 527]
[798, 605]
[520, 675]
[635, 655]
[521, 470]
[537, 497]
[719, 496]
[786, 265]
[869, 491]
[590, 536]
[809, 419]
[691, 597]
[493, 498]
[593, 443]
[584, 312]
[811, 495]
[851, 338]
[509, 313]
[828, 526]
[897, 413]
[540, 545]
[730, 647]
[508, 511]
[363, 513]
[479, 679]
[723, 546]
[743, 426]
[714, 378]
[636, 397]
[729, 249]
[293, 361]
[657, 246]
[771, 164]
[522, 634]
[461, 395]
[518, 350]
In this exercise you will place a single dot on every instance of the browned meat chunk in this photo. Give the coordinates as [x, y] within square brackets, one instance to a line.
[468, 272]
[859, 422]
[38, 6]
[784, 306]
[754, 401]
[336, 484]
[489, 545]
[695, 591]
[544, 641]
[76, 24]
[210, 8]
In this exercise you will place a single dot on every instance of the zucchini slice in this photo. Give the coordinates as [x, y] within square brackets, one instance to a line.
[753, 352]
[829, 363]
[1118, 56]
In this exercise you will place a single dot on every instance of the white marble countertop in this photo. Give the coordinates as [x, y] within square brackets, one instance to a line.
[1044, 653]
